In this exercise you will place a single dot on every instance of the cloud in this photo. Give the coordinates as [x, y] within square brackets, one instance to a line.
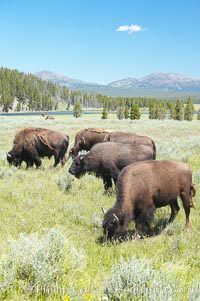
[130, 28]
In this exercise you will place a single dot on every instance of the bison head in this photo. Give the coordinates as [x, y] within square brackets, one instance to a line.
[111, 224]
[77, 167]
[14, 159]
[79, 145]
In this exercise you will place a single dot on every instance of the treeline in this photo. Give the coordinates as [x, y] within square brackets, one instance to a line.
[26, 92]
[22, 91]
[156, 109]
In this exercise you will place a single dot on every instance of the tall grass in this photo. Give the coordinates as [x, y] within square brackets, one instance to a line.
[50, 226]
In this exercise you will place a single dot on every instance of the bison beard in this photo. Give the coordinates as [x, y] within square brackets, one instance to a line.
[144, 186]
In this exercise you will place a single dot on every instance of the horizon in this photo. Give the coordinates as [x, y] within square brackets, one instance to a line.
[137, 78]
[101, 42]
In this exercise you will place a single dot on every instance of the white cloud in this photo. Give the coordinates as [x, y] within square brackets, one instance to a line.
[130, 28]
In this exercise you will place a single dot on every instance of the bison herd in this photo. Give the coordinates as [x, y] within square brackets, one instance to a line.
[142, 183]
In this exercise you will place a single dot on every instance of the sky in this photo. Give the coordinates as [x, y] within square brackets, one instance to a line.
[101, 41]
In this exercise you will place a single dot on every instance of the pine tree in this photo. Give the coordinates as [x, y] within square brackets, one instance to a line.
[126, 112]
[179, 108]
[152, 110]
[104, 113]
[135, 111]
[161, 110]
[77, 109]
[172, 110]
[120, 112]
[189, 110]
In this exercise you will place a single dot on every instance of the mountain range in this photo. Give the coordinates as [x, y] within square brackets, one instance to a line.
[164, 85]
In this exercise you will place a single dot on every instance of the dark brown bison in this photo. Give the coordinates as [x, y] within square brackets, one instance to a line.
[130, 138]
[86, 138]
[106, 160]
[30, 144]
[144, 186]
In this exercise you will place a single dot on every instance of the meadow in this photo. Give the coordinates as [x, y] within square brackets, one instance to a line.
[51, 224]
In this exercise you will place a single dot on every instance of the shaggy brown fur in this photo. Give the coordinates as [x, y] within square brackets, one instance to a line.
[86, 138]
[30, 144]
[130, 138]
[106, 160]
[144, 186]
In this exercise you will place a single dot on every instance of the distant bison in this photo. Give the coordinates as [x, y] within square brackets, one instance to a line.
[106, 160]
[49, 117]
[130, 138]
[144, 186]
[30, 144]
[86, 138]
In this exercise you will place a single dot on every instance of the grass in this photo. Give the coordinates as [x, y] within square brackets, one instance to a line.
[36, 203]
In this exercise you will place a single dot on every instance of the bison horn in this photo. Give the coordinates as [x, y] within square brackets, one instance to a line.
[116, 217]
[9, 155]
[103, 211]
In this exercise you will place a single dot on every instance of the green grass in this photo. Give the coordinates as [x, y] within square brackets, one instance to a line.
[35, 202]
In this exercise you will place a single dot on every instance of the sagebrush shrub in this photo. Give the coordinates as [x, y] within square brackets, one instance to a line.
[38, 261]
[136, 279]
[65, 182]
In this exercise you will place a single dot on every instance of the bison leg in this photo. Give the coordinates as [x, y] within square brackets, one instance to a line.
[33, 157]
[29, 163]
[37, 162]
[144, 219]
[186, 199]
[57, 159]
[107, 181]
[36, 159]
[174, 211]
[63, 158]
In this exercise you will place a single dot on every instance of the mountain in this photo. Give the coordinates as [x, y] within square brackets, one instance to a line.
[164, 85]
[63, 80]
[172, 82]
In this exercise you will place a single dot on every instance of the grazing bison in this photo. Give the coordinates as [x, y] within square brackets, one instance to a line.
[144, 186]
[106, 160]
[30, 144]
[86, 138]
[130, 138]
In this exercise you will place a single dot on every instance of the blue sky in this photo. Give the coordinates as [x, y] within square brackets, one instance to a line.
[101, 40]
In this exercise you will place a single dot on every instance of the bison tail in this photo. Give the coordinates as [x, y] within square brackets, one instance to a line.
[192, 191]
[192, 194]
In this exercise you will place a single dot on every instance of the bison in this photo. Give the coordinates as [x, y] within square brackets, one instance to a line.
[49, 117]
[130, 138]
[106, 160]
[31, 144]
[144, 186]
[86, 138]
